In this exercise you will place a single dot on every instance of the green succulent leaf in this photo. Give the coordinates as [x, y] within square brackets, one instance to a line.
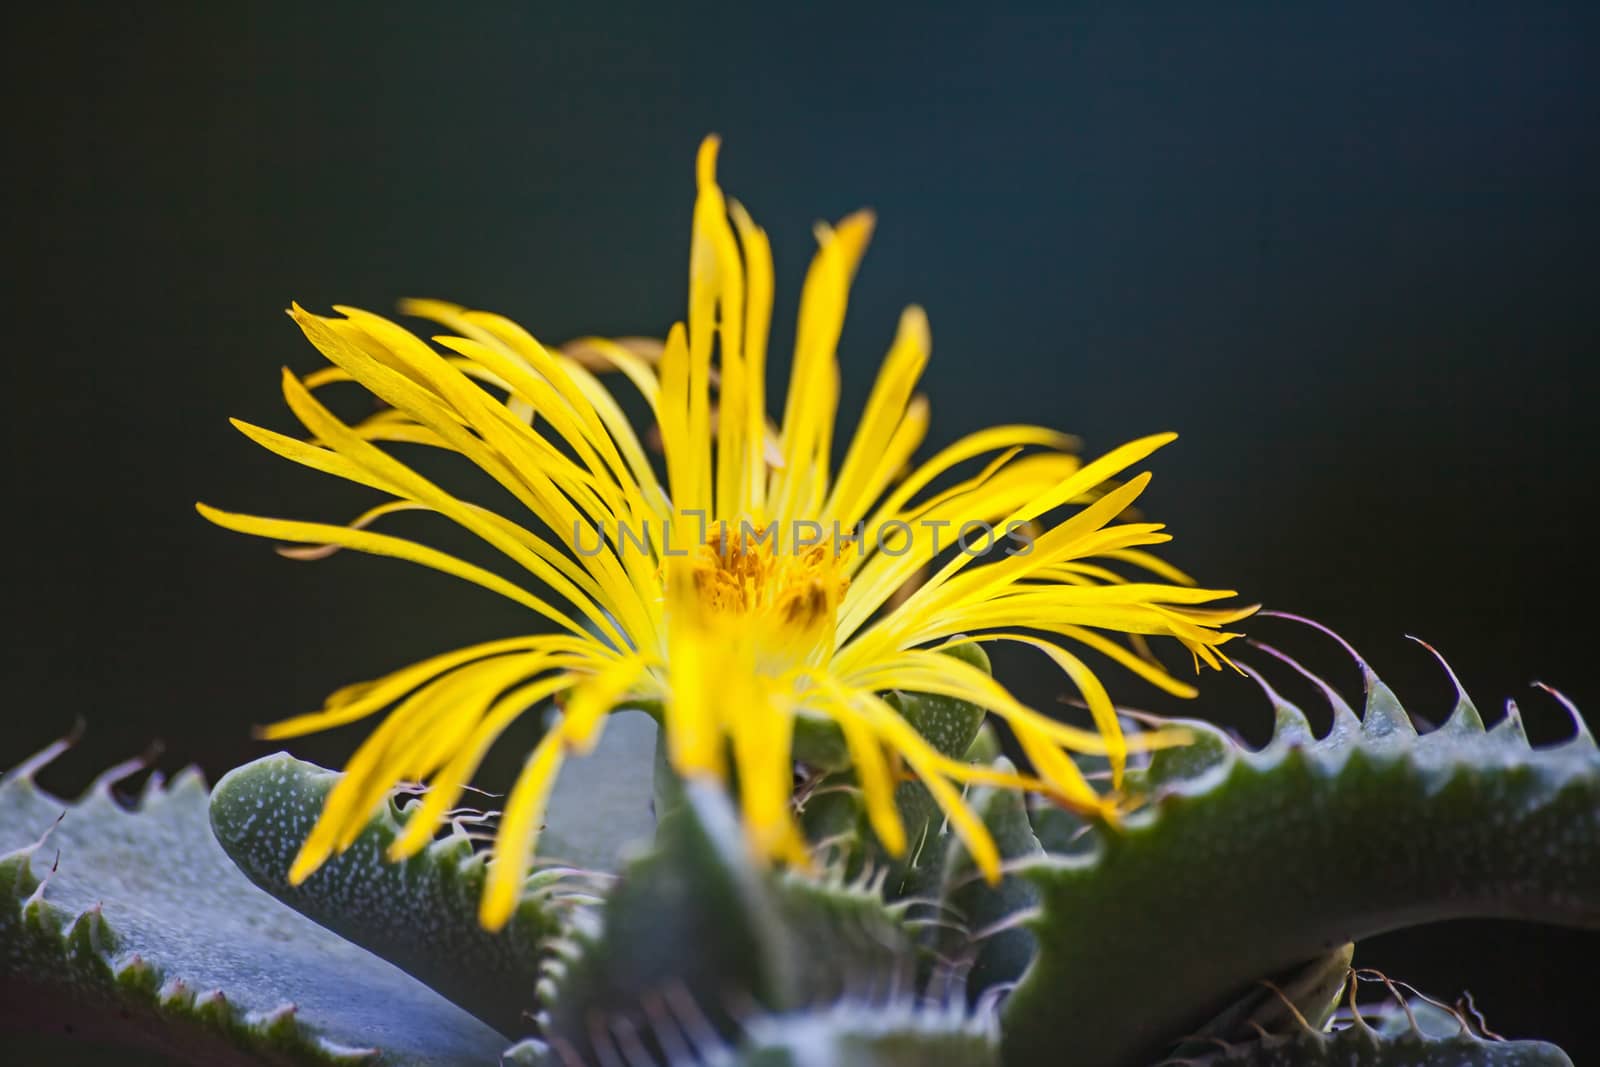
[694, 929]
[985, 747]
[849, 1033]
[994, 947]
[1352, 1047]
[1420, 1034]
[1307, 996]
[529, 1052]
[602, 806]
[1246, 863]
[952, 727]
[131, 934]
[421, 914]
[833, 814]
[854, 1034]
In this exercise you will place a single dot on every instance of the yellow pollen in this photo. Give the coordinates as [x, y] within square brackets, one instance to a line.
[744, 578]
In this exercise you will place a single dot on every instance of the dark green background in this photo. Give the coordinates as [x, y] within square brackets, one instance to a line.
[1348, 254]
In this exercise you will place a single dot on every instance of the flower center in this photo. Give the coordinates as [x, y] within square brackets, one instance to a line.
[781, 598]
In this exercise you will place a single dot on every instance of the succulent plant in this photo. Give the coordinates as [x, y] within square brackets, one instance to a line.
[1213, 926]
[766, 821]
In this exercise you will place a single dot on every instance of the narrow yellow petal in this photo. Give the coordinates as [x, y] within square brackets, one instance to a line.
[446, 786]
[1154, 564]
[807, 435]
[360, 522]
[593, 699]
[519, 828]
[924, 760]
[578, 731]
[872, 769]
[1150, 671]
[622, 599]
[358, 701]
[920, 671]
[886, 407]
[995, 438]
[1094, 694]
[758, 316]
[313, 533]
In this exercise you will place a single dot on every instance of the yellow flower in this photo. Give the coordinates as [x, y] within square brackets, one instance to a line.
[747, 590]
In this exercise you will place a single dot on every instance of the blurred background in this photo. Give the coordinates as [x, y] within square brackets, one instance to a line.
[1349, 254]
